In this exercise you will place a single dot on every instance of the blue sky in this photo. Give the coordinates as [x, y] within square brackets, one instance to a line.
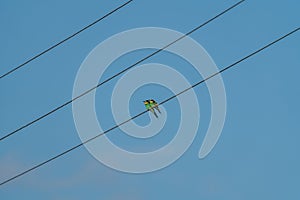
[257, 154]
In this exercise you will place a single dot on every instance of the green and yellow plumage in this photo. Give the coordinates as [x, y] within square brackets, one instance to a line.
[149, 104]
[154, 104]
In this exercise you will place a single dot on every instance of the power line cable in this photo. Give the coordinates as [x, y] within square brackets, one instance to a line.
[172, 97]
[124, 70]
[64, 40]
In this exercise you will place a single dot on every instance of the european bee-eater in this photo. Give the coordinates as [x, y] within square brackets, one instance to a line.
[154, 104]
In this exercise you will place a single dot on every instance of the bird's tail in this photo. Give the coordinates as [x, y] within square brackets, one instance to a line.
[153, 111]
[157, 108]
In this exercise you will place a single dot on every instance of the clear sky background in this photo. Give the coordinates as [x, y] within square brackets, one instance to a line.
[257, 156]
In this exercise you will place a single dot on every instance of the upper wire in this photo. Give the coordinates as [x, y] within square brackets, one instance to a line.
[64, 40]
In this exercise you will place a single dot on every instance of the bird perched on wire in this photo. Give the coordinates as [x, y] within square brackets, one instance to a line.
[152, 105]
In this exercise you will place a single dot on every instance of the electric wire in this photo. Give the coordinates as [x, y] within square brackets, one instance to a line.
[168, 99]
[64, 40]
[121, 72]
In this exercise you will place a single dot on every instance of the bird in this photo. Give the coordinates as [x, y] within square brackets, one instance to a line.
[154, 104]
[150, 106]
